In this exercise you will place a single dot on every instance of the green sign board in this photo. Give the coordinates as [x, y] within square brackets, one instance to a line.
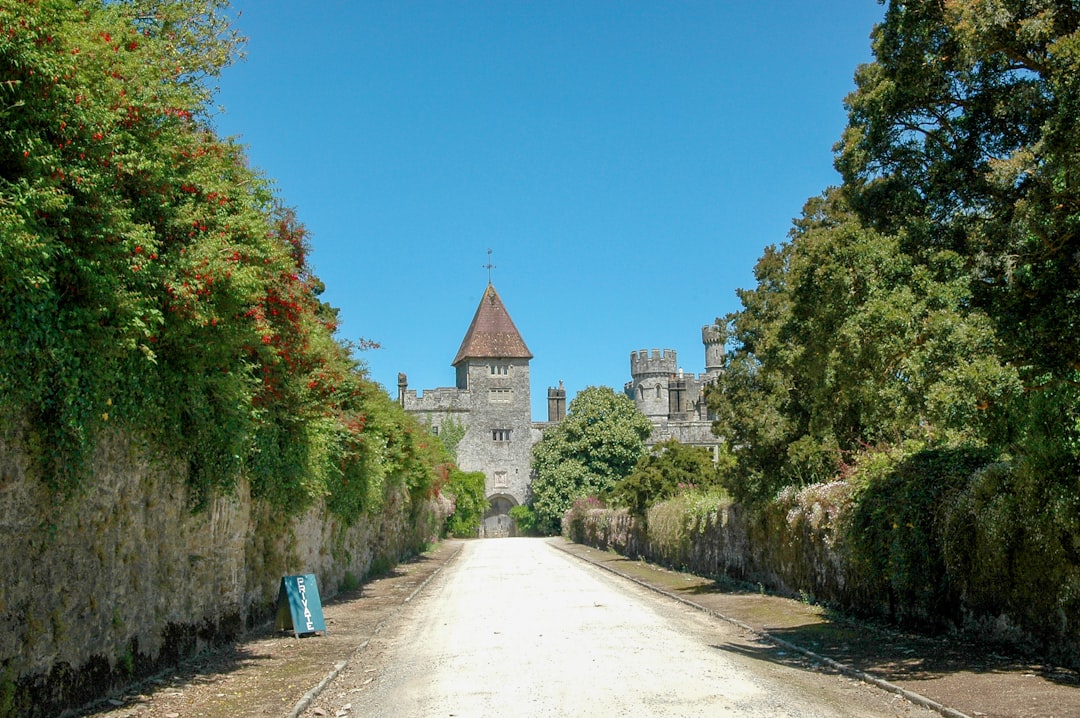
[298, 606]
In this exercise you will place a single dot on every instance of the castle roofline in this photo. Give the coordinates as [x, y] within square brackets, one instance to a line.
[492, 334]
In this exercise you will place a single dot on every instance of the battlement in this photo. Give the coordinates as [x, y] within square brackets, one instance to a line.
[441, 399]
[657, 361]
[712, 334]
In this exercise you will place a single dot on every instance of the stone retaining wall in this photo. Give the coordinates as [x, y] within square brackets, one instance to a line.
[793, 546]
[124, 577]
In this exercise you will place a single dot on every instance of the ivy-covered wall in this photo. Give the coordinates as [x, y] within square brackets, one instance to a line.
[792, 546]
[124, 576]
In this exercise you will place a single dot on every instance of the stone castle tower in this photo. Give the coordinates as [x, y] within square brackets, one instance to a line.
[672, 399]
[491, 400]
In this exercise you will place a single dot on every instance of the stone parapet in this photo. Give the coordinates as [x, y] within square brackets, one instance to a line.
[657, 361]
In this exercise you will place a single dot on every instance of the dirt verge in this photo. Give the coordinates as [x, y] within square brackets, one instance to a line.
[268, 673]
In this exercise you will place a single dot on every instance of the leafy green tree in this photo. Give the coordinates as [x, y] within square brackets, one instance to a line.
[962, 134]
[962, 138]
[669, 468]
[598, 443]
[848, 342]
[889, 348]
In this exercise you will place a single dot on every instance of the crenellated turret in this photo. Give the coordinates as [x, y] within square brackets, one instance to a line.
[650, 373]
[674, 400]
[713, 337]
[646, 363]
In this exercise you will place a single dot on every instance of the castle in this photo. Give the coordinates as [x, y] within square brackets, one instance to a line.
[673, 400]
[491, 401]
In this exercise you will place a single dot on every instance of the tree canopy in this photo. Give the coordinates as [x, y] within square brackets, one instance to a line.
[963, 137]
[933, 296]
[598, 443]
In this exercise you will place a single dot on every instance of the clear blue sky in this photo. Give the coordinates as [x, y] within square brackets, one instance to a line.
[626, 161]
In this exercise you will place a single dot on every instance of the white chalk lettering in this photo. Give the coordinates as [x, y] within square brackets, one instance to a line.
[303, 601]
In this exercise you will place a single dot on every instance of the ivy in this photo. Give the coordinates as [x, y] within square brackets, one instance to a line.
[154, 283]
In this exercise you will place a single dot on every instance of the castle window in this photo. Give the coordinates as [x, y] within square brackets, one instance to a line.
[435, 431]
[499, 369]
[500, 435]
[657, 391]
[500, 394]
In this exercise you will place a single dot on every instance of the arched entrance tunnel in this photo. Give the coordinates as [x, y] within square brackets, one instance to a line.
[497, 521]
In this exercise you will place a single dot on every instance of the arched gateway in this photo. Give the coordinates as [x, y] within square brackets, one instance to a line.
[497, 522]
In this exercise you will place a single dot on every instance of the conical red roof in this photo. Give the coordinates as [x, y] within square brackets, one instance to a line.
[492, 334]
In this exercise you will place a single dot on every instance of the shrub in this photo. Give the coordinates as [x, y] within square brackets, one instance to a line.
[897, 526]
[524, 518]
[467, 488]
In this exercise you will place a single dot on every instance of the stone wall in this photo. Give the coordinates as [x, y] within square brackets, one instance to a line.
[124, 577]
[793, 547]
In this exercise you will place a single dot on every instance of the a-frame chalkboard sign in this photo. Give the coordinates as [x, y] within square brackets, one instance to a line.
[298, 606]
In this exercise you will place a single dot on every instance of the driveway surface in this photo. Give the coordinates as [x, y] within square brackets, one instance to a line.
[515, 627]
[534, 627]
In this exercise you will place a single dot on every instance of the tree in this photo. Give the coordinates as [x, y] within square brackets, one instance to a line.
[662, 473]
[451, 432]
[962, 138]
[962, 134]
[598, 443]
[750, 399]
[849, 342]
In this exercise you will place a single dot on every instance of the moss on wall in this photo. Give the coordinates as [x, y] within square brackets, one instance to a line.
[123, 578]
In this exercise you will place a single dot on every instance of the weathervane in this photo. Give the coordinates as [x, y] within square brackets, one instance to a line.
[489, 266]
